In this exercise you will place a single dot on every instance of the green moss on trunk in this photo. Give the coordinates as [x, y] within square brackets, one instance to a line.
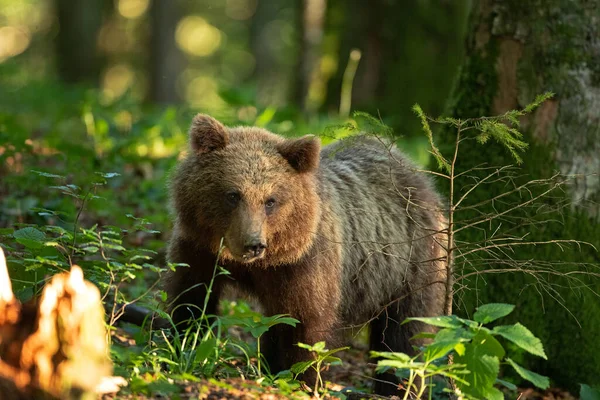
[516, 50]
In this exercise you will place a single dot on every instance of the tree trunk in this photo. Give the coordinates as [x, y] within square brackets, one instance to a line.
[516, 50]
[166, 60]
[312, 20]
[77, 57]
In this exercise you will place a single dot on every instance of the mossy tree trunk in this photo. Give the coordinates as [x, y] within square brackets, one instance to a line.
[516, 50]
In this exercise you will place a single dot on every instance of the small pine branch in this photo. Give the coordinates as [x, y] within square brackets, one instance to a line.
[369, 124]
[443, 164]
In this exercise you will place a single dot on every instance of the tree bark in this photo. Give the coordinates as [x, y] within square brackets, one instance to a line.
[515, 51]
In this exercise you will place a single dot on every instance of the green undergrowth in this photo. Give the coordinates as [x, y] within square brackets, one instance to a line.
[83, 181]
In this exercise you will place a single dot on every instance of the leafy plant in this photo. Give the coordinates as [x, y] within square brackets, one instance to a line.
[323, 359]
[589, 393]
[476, 352]
[257, 324]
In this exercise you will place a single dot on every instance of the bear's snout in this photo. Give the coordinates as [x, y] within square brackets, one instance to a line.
[254, 248]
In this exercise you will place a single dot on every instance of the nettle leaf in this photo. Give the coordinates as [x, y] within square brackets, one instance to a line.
[450, 321]
[493, 394]
[439, 349]
[589, 393]
[484, 371]
[482, 357]
[522, 337]
[538, 380]
[460, 334]
[507, 384]
[491, 312]
[30, 237]
[446, 340]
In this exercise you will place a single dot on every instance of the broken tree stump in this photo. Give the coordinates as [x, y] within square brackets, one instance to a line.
[54, 346]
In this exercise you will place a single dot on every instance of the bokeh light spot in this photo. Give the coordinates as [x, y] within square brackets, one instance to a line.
[240, 9]
[117, 80]
[202, 92]
[197, 37]
[13, 41]
[132, 9]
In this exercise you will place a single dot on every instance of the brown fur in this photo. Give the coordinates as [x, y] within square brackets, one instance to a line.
[353, 229]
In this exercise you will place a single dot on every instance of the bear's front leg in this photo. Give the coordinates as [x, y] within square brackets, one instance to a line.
[317, 310]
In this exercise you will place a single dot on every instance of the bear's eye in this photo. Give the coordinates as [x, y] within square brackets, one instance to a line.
[233, 198]
[269, 204]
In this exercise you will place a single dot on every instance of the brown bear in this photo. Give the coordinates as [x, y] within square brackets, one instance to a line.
[334, 237]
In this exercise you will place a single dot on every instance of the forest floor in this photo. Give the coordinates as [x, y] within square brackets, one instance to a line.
[355, 371]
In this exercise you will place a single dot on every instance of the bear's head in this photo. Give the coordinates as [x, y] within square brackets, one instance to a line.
[252, 189]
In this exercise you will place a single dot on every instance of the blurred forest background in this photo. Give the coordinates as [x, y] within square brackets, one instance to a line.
[289, 55]
[110, 86]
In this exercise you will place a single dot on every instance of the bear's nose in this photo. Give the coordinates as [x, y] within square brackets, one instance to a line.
[254, 248]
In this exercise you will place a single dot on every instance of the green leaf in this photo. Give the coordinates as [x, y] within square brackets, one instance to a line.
[491, 312]
[108, 175]
[30, 244]
[332, 360]
[390, 356]
[493, 394]
[484, 370]
[538, 380]
[445, 341]
[522, 337]
[487, 344]
[382, 364]
[482, 357]
[589, 393]
[460, 334]
[29, 233]
[442, 322]
[30, 237]
[301, 366]
[204, 349]
[439, 349]
[46, 174]
[506, 384]
[423, 335]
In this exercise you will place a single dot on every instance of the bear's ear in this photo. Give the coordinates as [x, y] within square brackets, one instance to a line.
[302, 154]
[207, 134]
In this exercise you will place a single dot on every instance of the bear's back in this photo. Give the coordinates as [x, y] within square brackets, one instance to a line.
[388, 212]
